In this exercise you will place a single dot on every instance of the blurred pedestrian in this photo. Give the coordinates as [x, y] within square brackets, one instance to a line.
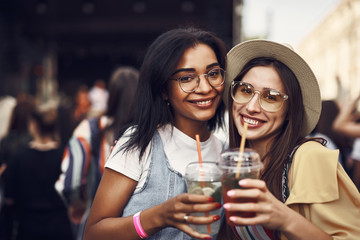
[354, 163]
[82, 104]
[72, 111]
[98, 96]
[18, 134]
[88, 148]
[347, 123]
[7, 104]
[39, 211]
[17, 137]
[323, 129]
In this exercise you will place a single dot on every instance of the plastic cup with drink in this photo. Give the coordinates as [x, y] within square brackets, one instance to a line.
[236, 165]
[204, 178]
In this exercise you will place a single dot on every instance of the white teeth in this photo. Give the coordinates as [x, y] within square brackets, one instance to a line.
[203, 102]
[250, 121]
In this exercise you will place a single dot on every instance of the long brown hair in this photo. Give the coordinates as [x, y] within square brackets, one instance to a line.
[289, 137]
[122, 87]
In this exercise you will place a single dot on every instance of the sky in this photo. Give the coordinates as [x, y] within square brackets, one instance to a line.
[286, 21]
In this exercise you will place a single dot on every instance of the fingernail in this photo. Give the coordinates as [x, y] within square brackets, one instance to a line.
[230, 193]
[208, 238]
[242, 182]
[211, 199]
[226, 206]
[232, 218]
[218, 205]
[215, 218]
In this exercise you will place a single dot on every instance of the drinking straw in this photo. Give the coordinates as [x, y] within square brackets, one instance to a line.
[202, 183]
[241, 150]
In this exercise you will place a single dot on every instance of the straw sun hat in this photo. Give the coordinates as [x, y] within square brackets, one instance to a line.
[242, 53]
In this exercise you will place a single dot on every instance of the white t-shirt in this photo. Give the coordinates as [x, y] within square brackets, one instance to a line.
[179, 148]
[355, 154]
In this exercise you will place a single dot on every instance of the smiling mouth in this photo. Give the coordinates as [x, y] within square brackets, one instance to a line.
[202, 102]
[251, 121]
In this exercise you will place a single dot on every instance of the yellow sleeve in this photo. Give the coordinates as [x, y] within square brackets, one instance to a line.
[323, 193]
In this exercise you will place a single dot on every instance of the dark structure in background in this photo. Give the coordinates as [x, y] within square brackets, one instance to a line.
[79, 41]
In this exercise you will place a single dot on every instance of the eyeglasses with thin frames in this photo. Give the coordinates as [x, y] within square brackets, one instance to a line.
[270, 100]
[190, 82]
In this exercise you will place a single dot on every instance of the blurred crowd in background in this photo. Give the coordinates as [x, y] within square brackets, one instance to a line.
[66, 144]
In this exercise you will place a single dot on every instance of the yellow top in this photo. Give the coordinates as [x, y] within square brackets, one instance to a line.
[323, 193]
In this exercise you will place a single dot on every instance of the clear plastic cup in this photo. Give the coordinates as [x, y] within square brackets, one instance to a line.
[233, 171]
[204, 179]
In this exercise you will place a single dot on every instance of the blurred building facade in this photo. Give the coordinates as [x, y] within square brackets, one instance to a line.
[49, 46]
[332, 49]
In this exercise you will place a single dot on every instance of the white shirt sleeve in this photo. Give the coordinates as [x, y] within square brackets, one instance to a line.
[129, 163]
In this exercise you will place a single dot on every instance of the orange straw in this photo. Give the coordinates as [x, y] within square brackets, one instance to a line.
[202, 184]
[241, 150]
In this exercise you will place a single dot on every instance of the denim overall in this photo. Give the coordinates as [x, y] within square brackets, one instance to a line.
[162, 183]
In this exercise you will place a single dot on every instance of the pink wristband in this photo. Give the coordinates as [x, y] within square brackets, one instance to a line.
[140, 231]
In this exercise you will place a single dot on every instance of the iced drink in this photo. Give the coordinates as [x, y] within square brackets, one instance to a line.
[205, 180]
[233, 171]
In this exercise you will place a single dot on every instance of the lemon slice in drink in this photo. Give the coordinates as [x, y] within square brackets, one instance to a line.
[208, 191]
[196, 190]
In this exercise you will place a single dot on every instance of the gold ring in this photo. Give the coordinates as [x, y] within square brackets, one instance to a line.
[186, 218]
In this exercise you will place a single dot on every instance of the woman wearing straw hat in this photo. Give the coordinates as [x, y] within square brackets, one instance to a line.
[142, 191]
[304, 193]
